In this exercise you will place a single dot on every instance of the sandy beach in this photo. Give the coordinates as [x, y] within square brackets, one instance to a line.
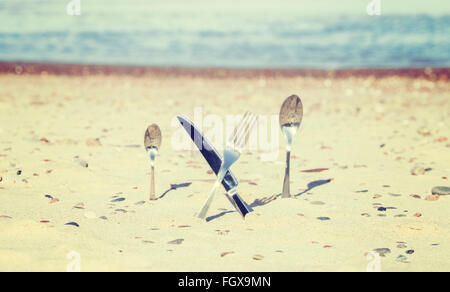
[371, 147]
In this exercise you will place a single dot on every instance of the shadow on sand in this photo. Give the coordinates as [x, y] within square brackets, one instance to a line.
[174, 187]
[267, 200]
[314, 184]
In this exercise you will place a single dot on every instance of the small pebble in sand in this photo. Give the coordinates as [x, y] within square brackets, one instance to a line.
[93, 142]
[401, 258]
[418, 215]
[314, 170]
[73, 224]
[79, 206]
[103, 217]
[418, 170]
[81, 162]
[323, 218]
[424, 131]
[416, 196]
[147, 241]
[382, 251]
[121, 210]
[226, 253]
[441, 191]
[1, 179]
[19, 172]
[5, 217]
[176, 241]
[381, 209]
[432, 198]
[118, 200]
[140, 203]
[410, 251]
[258, 257]
[401, 245]
[54, 200]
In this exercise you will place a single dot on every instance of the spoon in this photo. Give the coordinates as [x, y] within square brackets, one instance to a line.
[291, 114]
[152, 143]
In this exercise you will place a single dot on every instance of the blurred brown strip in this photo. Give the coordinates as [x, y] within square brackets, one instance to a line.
[80, 70]
[315, 170]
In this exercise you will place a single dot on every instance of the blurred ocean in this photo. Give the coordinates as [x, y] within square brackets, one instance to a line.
[201, 34]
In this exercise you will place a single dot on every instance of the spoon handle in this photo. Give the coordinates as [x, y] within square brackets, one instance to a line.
[286, 190]
[152, 185]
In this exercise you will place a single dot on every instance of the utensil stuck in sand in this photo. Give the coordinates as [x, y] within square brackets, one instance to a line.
[152, 143]
[235, 145]
[291, 114]
[212, 157]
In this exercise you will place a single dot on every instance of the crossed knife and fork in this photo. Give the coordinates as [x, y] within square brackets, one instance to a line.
[290, 117]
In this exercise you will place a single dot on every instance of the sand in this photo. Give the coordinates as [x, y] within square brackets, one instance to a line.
[367, 131]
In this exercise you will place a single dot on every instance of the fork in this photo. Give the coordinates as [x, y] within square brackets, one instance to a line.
[233, 149]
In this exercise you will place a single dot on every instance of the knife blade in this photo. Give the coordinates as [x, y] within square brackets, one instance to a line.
[214, 160]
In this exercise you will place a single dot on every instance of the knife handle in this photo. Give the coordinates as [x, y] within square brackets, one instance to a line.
[238, 203]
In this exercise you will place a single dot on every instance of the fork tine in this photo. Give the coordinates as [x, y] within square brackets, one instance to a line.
[242, 141]
[242, 130]
[237, 129]
[232, 136]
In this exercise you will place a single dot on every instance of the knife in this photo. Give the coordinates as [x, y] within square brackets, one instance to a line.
[214, 160]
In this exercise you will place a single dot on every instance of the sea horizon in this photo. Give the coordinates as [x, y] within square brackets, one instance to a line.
[218, 35]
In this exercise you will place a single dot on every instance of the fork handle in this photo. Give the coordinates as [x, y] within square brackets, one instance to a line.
[204, 210]
[286, 189]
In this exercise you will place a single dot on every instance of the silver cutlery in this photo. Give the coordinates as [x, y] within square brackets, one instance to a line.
[231, 153]
[291, 114]
[152, 143]
[214, 160]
